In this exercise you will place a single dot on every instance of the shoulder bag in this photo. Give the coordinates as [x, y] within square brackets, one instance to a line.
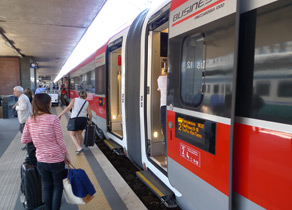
[73, 121]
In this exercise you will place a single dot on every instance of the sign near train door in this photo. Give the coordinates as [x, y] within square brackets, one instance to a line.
[190, 154]
[195, 13]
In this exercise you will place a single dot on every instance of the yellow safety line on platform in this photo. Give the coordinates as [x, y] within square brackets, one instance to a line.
[109, 144]
[150, 184]
[79, 161]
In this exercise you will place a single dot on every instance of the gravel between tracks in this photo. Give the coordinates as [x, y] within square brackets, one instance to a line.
[128, 171]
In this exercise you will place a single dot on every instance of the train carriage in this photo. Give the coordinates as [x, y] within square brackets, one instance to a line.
[229, 101]
[229, 110]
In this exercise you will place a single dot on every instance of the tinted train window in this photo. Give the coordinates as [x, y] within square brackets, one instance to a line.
[265, 65]
[100, 80]
[192, 67]
[263, 88]
[227, 89]
[84, 82]
[285, 89]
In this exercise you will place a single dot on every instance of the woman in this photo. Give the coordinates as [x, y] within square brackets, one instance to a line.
[28, 92]
[82, 106]
[44, 130]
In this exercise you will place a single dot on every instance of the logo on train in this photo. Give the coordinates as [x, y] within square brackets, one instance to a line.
[192, 8]
[199, 8]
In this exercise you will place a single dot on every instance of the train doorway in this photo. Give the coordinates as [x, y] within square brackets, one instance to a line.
[156, 67]
[115, 120]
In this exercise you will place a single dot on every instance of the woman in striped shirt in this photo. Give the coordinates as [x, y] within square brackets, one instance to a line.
[44, 130]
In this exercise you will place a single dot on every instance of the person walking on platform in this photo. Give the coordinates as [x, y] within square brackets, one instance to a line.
[44, 130]
[23, 107]
[40, 89]
[63, 93]
[28, 92]
[80, 110]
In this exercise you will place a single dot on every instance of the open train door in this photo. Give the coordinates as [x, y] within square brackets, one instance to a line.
[202, 65]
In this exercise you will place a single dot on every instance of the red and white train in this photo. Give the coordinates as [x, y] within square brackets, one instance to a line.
[229, 101]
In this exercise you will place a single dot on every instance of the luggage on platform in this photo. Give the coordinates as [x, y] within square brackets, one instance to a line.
[89, 136]
[31, 186]
[30, 156]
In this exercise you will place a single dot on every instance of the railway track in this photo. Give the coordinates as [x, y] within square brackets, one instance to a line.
[128, 171]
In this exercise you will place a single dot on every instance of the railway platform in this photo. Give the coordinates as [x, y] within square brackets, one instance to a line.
[112, 192]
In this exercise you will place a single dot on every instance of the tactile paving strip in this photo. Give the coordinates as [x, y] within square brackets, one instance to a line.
[80, 161]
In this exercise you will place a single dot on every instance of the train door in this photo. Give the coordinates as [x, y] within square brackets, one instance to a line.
[115, 117]
[157, 68]
[262, 172]
[200, 101]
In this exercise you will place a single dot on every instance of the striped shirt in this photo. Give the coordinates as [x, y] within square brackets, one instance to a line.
[46, 134]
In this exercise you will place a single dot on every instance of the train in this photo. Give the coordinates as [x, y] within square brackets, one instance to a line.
[229, 101]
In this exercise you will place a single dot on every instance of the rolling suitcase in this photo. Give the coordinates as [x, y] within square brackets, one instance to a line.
[89, 136]
[31, 186]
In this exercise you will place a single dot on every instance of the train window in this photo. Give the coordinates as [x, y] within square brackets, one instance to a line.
[227, 89]
[269, 72]
[90, 85]
[208, 88]
[100, 87]
[192, 68]
[262, 88]
[216, 89]
[284, 89]
[84, 82]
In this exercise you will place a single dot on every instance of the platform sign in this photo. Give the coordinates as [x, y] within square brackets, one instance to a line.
[195, 13]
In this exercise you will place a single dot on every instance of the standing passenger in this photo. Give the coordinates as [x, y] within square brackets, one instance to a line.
[44, 130]
[23, 107]
[28, 92]
[63, 93]
[40, 89]
[24, 111]
[77, 104]
[162, 87]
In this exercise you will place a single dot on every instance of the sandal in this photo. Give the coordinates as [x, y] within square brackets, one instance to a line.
[78, 152]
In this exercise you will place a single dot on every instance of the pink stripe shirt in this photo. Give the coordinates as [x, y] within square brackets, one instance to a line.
[46, 134]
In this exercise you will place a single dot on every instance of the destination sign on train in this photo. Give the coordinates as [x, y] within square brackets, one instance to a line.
[196, 131]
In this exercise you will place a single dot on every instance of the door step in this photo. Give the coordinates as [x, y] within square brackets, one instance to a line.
[113, 146]
[158, 188]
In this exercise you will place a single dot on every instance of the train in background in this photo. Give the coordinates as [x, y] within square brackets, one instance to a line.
[229, 101]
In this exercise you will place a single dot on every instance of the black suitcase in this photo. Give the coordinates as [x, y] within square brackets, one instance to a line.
[89, 136]
[31, 186]
[30, 155]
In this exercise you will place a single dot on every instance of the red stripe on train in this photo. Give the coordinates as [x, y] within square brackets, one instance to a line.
[262, 169]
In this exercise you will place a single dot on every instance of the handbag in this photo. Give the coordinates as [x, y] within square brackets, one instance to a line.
[73, 121]
[68, 192]
[69, 196]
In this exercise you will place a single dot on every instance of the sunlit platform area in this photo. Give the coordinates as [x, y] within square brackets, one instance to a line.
[112, 192]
